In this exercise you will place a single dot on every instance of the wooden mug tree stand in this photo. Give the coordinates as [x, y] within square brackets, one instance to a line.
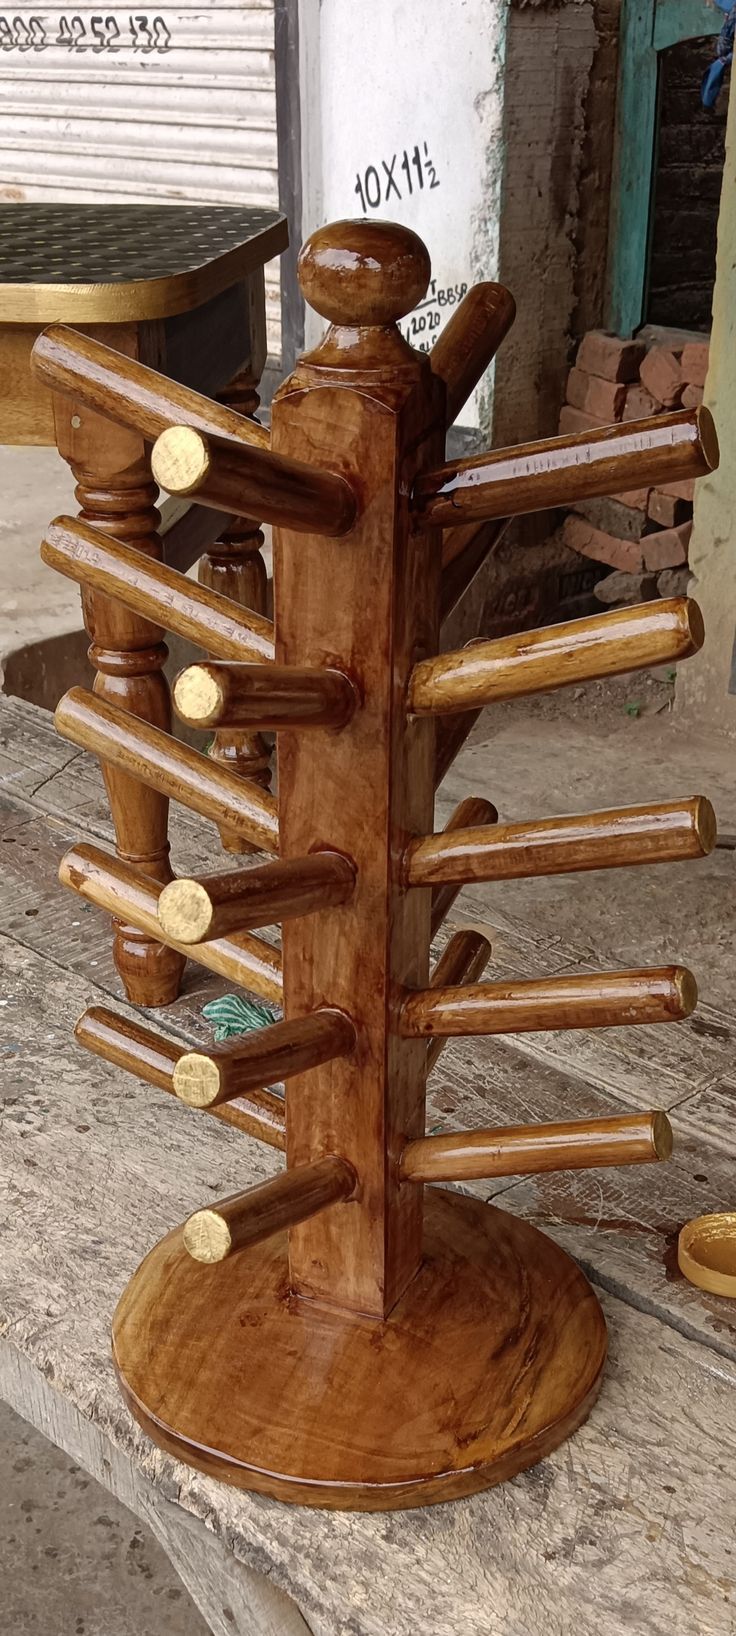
[342, 1336]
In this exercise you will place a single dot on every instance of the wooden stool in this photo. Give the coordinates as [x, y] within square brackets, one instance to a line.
[181, 287]
[338, 1336]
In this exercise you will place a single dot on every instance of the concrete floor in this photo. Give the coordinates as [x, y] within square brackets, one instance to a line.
[71, 1559]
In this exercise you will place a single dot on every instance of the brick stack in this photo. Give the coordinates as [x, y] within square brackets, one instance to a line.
[644, 534]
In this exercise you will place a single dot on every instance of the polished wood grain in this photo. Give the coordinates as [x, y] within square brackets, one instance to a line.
[131, 393]
[470, 813]
[608, 644]
[470, 341]
[115, 886]
[248, 1218]
[529, 1150]
[367, 404]
[204, 1079]
[157, 593]
[153, 1058]
[149, 755]
[665, 832]
[290, 493]
[559, 470]
[273, 696]
[607, 999]
[193, 910]
[413, 1410]
[463, 961]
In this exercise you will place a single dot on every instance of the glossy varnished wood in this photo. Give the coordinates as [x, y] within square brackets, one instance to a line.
[608, 644]
[153, 1058]
[272, 696]
[463, 961]
[157, 592]
[470, 341]
[371, 1416]
[247, 1219]
[205, 1079]
[528, 1150]
[290, 493]
[664, 832]
[166, 764]
[213, 905]
[557, 470]
[113, 885]
[470, 813]
[610, 999]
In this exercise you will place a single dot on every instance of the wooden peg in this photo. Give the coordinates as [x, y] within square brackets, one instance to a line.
[193, 911]
[122, 891]
[167, 765]
[606, 999]
[152, 1057]
[247, 1218]
[463, 961]
[130, 393]
[469, 814]
[530, 1150]
[159, 593]
[608, 644]
[470, 341]
[559, 470]
[205, 1079]
[235, 478]
[665, 832]
[273, 696]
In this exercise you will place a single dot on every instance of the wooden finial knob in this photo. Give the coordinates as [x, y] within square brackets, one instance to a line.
[364, 272]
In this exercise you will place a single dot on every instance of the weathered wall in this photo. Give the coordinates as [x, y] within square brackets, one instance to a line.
[687, 190]
[706, 687]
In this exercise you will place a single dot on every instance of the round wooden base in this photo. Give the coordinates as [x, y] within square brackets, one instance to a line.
[490, 1359]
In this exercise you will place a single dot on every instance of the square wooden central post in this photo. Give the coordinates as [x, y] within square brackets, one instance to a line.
[366, 603]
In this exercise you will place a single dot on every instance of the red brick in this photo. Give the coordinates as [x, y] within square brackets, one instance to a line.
[668, 548]
[580, 536]
[639, 403]
[692, 397]
[682, 491]
[661, 375]
[626, 522]
[609, 356]
[595, 396]
[694, 362]
[637, 498]
[668, 510]
[573, 421]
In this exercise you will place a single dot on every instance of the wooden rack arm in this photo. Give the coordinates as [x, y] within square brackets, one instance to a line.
[559, 470]
[600, 1000]
[666, 832]
[263, 696]
[130, 393]
[463, 961]
[247, 1218]
[206, 1079]
[530, 1150]
[608, 644]
[470, 813]
[196, 910]
[470, 341]
[250, 481]
[167, 765]
[133, 897]
[158, 593]
[141, 1051]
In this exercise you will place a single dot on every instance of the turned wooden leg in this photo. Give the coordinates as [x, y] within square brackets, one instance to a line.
[234, 567]
[128, 654]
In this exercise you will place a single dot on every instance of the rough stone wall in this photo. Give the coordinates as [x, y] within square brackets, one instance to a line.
[687, 190]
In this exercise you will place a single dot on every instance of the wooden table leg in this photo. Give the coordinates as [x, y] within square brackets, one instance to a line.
[234, 567]
[116, 496]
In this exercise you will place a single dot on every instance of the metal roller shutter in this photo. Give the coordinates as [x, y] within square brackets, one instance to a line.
[178, 105]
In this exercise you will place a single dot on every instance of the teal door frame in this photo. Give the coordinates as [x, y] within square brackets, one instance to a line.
[647, 27]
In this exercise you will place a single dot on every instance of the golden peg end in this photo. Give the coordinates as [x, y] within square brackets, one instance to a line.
[708, 437]
[180, 460]
[198, 696]
[196, 1081]
[185, 911]
[661, 1135]
[686, 989]
[207, 1237]
[706, 827]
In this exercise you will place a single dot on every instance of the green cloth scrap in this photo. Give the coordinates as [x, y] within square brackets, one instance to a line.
[232, 1015]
